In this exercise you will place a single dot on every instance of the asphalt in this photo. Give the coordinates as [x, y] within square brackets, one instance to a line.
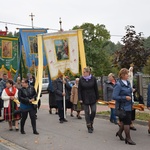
[72, 135]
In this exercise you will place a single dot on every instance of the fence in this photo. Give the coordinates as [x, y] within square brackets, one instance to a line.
[142, 82]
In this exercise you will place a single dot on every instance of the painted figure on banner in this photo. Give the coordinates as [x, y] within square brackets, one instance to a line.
[7, 49]
[62, 50]
[33, 44]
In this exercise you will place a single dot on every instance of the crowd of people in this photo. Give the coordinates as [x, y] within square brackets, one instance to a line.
[82, 95]
[16, 99]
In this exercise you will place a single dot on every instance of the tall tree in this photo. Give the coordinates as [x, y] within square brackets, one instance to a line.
[95, 40]
[132, 51]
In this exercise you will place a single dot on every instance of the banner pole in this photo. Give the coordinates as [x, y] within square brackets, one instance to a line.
[64, 101]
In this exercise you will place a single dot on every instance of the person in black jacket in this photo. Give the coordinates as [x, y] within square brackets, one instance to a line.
[59, 93]
[27, 95]
[88, 95]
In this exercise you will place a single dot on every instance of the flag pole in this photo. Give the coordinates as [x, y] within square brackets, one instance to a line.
[64, 101]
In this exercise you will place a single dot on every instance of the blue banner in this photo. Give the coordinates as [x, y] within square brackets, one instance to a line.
[28, 44]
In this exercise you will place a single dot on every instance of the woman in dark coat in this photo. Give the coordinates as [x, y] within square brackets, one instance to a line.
[27, 95]
[88, 95]
[52, 100]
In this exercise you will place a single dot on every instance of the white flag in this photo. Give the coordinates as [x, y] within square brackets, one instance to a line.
[62, 52]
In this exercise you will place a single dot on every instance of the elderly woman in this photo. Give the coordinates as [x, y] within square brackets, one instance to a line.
[123, 95]
[9, 94]
[74, 99]
[108, 90]
[88, 95]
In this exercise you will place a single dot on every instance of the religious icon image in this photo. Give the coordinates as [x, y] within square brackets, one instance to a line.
[6, 49]
[62, 49]
[33, 44]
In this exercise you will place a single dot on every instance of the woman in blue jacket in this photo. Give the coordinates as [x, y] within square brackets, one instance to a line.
[122, 94]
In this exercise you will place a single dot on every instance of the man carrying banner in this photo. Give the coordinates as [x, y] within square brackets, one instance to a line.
[59, 94]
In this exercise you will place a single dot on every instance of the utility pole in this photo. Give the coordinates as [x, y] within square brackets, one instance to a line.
[32, 19]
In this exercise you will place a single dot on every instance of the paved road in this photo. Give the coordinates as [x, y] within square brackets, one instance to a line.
[69, 136]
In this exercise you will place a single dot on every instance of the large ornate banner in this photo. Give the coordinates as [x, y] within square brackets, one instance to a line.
[28, 40]
[62, 51]
[8, 53]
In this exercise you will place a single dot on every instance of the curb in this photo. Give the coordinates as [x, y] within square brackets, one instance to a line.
[7, 145]
[136, 121]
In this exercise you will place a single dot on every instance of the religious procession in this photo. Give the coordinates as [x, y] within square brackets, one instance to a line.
[25, 60]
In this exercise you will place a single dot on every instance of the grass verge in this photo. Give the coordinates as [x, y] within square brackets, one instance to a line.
[139, 115]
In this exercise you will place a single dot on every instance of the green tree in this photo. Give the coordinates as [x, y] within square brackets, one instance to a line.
[95, 40]
[132, 51]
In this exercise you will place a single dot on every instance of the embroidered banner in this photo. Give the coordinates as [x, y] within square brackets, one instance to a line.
[8, 53]
[62, 52]
[28, 40]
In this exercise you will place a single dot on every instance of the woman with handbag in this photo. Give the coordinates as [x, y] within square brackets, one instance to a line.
[122, 94]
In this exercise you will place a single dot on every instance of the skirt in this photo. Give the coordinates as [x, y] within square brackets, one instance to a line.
[78, 107]
[52, 101]
[9, 114]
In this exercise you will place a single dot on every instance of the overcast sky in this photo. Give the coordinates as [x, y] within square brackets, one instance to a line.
[114, 14]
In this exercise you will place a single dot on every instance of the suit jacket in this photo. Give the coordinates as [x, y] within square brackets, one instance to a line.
[58, 89]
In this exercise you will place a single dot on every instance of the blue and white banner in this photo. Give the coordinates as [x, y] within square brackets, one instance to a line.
[29, 46]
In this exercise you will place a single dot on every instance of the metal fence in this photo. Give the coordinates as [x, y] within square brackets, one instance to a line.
[141, 82]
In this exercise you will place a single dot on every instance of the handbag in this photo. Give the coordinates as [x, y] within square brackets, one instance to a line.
[120, 112]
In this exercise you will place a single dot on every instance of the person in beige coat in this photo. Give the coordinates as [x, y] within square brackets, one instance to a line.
[74, 99]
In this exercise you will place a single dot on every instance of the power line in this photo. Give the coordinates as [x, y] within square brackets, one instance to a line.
[16, 24]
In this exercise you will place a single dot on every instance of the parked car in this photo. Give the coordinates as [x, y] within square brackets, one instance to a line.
[45, 82]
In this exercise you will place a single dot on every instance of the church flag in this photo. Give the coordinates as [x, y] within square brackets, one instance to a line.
[28, 39]
[8, 53]
[62, 51]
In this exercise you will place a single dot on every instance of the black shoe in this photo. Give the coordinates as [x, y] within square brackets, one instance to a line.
[10, 129]
[115, 122]
[120, 136]
[71, 115]
[17, 129]
[65, 120]
[22, 132]
[35, 132]
[111, 120]
[1, 120]
[79, 117]
[50, 111]
[130, 142]
[90, 130]
[61, 121]
[133, 128]
[149, 131]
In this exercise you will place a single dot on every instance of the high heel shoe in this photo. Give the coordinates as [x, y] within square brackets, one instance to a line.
[120, 136]
[130, 142]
